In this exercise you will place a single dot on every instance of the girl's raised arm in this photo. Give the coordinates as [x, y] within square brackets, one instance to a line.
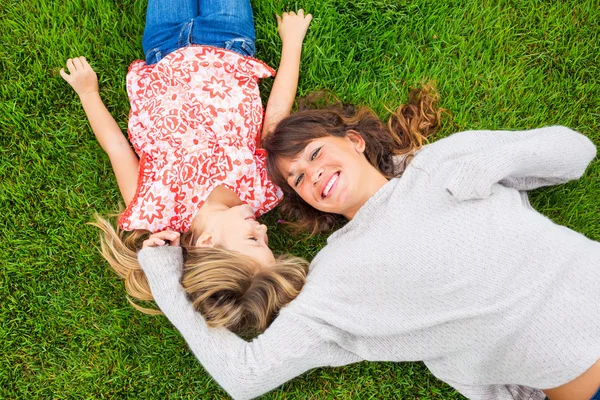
[292, 28]
[289, 347]
[83, 80]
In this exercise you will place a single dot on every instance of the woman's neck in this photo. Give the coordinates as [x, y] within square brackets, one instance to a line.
[371, 185]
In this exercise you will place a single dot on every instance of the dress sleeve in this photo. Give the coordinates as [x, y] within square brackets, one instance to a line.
[523, 160]
[245, 370]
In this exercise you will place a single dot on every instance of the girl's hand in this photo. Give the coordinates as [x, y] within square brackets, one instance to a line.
[292, 27]
[81, 76]
[161, 238]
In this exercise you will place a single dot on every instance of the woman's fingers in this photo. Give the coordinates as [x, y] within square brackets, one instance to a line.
[175, 240]
[161, 238]
[153, 242]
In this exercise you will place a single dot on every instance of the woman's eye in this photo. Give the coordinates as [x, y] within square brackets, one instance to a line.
[298, 179]
[314, 154]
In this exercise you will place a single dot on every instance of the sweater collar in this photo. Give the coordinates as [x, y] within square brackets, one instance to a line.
[363, 215]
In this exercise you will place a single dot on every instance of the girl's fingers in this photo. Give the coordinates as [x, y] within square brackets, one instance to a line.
[278, 18]
[301, 13]
[64, 75]
[77, 63]
[84, 62]
[70, 66]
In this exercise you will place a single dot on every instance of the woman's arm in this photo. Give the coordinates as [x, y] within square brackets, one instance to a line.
[245, 370]
[292, 29]
[83, 80]
[523, 160]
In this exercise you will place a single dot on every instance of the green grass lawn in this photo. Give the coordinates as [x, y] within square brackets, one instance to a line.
[66, 329]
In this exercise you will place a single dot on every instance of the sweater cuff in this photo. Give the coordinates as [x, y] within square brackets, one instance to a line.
[161, 259]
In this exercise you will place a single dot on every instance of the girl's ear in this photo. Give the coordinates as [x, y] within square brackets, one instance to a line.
[205, 240]
[356, 139]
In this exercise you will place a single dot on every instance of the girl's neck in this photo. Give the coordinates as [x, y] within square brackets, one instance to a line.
[221, 198]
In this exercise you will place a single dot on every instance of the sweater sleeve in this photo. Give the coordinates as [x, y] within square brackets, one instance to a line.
[498, 392]
[523, 160]
[245, 370]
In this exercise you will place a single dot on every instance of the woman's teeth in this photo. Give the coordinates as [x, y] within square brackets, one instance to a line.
[333, 179]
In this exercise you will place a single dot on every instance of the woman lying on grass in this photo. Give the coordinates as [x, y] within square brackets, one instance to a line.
[443, 259]
[195, 123]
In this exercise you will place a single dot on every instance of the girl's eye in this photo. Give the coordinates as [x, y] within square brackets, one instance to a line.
[253, 238]
[314, 154]
[298, 180]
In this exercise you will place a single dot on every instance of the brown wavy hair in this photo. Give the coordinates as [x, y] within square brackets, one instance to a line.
[229, 289]
[405, 132]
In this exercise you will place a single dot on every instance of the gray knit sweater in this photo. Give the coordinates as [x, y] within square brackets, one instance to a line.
[448, 264]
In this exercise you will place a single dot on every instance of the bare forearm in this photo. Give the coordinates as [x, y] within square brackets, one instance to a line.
[284, 88]
[122, 157]
[84, 81]
[292, 29]
[105, 127]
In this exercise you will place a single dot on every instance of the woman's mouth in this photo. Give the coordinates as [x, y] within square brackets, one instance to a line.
[327, 189]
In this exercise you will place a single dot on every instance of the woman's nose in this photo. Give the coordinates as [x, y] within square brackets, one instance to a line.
[316, 176]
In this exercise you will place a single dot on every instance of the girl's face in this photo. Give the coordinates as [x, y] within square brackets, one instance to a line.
[236, 229]
[333, 175]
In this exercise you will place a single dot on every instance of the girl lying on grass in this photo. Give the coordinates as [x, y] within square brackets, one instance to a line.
[443, 260]
[195, 123]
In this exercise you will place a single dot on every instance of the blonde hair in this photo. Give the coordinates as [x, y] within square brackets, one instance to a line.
[229, 289]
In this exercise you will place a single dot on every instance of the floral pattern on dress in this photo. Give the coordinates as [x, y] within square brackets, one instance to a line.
[195, 122]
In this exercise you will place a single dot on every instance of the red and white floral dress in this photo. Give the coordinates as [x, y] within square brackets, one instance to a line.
[195, 122]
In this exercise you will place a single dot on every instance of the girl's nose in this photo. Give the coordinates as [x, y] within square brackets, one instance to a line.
[262, 228]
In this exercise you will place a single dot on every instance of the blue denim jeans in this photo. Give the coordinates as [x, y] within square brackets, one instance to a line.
[173, 24]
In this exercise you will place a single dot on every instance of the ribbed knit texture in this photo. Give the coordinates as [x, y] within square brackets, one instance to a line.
[448, 264]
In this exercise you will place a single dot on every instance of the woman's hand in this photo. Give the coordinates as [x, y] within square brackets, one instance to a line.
[161, 238]
[81, 76]
[292, 27]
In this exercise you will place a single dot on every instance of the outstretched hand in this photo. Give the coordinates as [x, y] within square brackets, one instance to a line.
[162, 238]
[292, 27]
[81, 76]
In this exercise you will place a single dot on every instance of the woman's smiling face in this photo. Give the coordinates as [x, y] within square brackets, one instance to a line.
[333, 175]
